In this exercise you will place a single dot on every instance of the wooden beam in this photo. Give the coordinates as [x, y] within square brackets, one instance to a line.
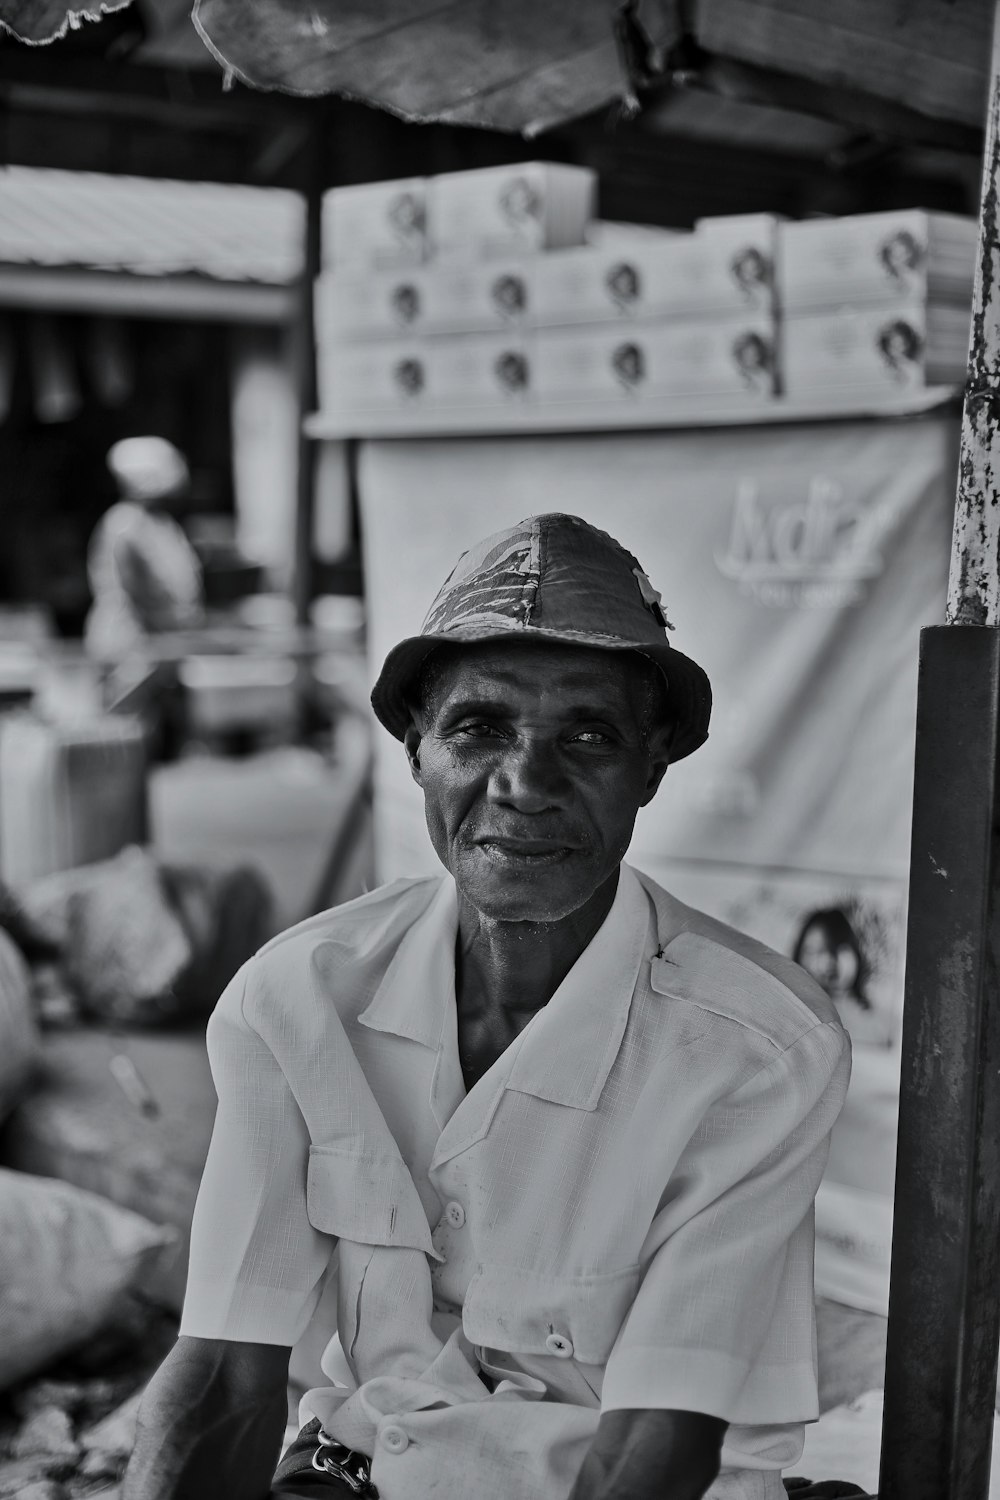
[849, 107]
[927, 56]
[88, 114]
[181, 114]
[57, 289]
[89, 143]
[132, 87]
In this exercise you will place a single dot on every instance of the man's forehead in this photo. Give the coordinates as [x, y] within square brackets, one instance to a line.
[526, 666]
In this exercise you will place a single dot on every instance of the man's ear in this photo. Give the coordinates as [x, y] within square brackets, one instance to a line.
[411, 744]
[661, 740]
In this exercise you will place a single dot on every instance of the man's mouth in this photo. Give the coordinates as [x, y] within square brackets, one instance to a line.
[512, 851]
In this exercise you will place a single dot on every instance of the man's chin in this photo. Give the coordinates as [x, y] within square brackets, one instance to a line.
[525, 889]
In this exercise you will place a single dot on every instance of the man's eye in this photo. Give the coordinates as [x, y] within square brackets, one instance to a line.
[592, 737]
[477, 729]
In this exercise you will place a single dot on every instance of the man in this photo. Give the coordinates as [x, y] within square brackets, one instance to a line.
[144, 573]
[146, 579]
[563, 1131]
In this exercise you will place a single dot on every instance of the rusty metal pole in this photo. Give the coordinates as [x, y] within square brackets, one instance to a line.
[944, 1300]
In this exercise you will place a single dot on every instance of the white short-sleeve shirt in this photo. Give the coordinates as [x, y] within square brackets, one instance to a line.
[618, 1214]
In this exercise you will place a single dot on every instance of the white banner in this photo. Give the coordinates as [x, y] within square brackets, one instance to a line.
[798, 565]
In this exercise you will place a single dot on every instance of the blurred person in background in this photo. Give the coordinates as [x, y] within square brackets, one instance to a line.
[144, 573]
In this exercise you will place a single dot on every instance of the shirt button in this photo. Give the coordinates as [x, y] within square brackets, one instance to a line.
[393, 1439]
[559, 1345]
[455, 1214]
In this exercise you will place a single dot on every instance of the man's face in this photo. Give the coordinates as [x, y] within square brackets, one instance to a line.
[534, 760]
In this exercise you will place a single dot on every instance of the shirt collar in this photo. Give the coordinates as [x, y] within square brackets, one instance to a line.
[569, 1046]
[566, 1051]
[418, 987]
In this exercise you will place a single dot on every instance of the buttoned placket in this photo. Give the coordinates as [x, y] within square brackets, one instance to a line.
[535, 1063]
[416, 1003]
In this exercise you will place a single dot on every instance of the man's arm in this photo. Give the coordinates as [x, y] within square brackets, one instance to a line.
[214, 1413]
[651, 1455]
[210, 1423]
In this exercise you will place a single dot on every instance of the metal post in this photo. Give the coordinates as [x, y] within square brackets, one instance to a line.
[974, 581]
[944, 1302]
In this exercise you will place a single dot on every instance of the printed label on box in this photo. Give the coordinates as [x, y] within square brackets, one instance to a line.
[877, 347]
[488, 369]
[375, 223]
[478, 298]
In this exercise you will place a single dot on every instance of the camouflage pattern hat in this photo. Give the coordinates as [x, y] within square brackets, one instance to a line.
[550, 578]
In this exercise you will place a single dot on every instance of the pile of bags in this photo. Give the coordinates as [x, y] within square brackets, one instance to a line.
[133, 941]
[127, 942]
[72, 1266]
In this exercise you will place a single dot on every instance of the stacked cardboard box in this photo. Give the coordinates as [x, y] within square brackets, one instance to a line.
[724, 269]
[495, 289]
[446, 328]
[876, 303]
[680, 364]
[519, 209]
[456, 297]
[654, 316]
[376, 224]
[512, 294]
[70, 792]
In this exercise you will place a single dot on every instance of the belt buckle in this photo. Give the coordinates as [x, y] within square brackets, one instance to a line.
[351, 1468]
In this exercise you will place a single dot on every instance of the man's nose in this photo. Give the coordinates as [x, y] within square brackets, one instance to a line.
[530, 778]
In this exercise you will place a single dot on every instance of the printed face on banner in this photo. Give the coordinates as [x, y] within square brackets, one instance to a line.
[848, 934]
[854, 951]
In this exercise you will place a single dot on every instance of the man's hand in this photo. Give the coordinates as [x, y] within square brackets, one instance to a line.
[211, 1423]
[651, 1455]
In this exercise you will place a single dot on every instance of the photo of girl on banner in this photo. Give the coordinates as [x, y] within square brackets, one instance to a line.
[840, 947]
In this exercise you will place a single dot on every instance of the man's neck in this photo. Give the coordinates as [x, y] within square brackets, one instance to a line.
[514, 968]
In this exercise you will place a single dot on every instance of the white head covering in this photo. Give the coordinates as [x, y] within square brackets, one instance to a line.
[147, 468]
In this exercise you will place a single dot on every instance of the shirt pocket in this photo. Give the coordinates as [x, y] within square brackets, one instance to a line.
[366, 1197]
[567, 1317]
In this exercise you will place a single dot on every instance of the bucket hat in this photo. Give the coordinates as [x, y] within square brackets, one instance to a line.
[550, 578]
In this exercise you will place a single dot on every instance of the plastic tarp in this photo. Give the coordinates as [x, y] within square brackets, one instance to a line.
[40, 21]
[530, 64]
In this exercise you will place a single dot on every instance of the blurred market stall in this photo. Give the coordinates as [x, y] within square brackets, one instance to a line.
[503, 328]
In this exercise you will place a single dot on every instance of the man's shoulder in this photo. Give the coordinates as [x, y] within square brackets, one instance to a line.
[121, 517]
[366, 927]
[709, 964]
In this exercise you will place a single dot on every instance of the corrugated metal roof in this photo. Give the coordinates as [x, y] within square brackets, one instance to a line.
[149, 227]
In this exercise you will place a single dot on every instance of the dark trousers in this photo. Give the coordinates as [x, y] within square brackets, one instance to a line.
[826, 1489]
[295, 1477]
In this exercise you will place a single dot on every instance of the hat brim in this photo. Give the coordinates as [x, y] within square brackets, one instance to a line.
[689, 692]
